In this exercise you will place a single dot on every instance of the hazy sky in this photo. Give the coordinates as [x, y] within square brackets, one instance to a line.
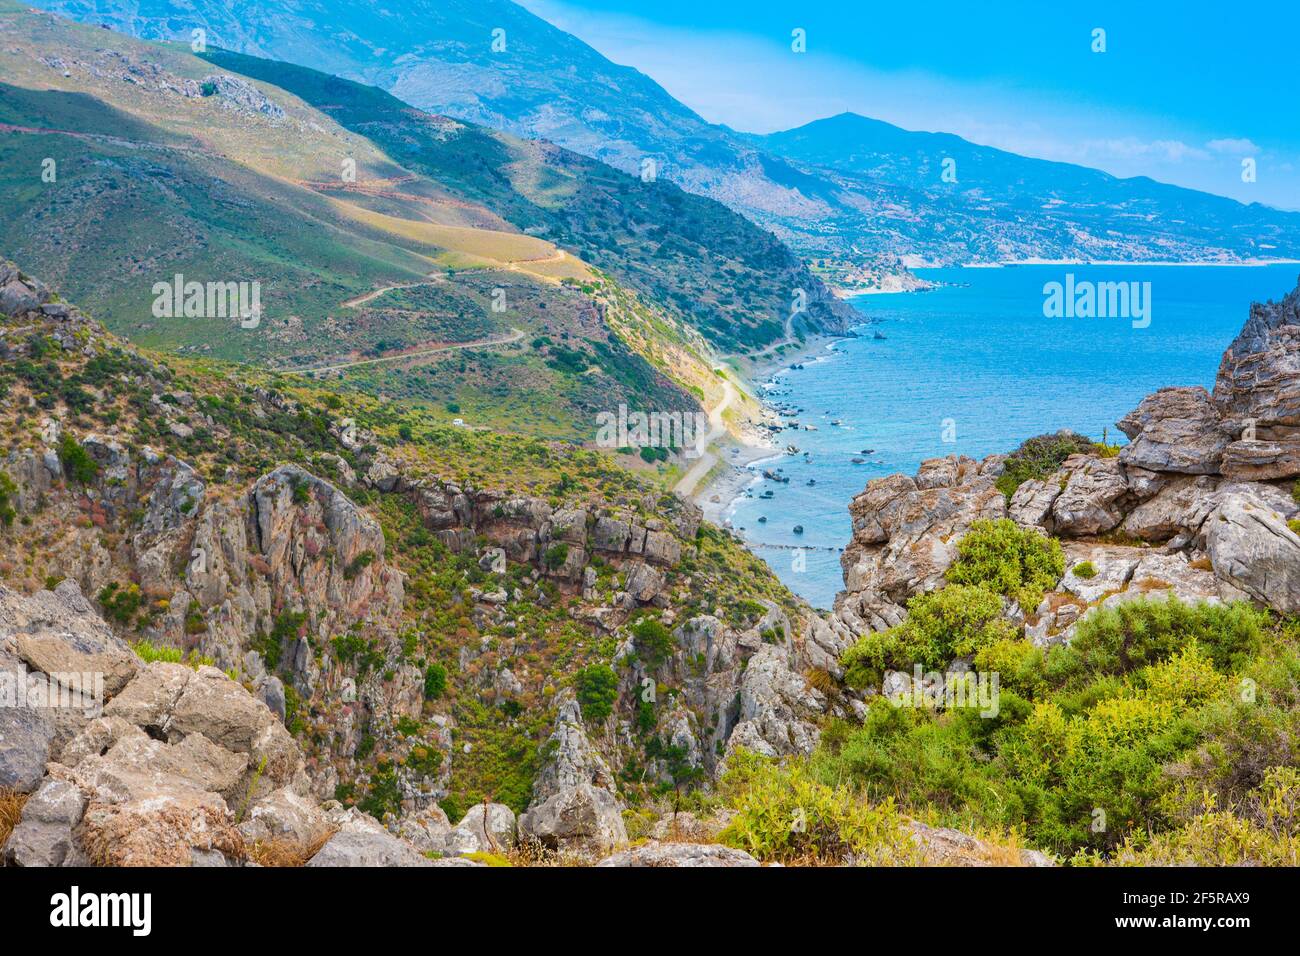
[1182, 94]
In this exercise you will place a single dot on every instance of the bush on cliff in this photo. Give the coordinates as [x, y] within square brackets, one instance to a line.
[784, 814]
[1157, 714]
[1039, 456]
[941, 625]
[1007, 559]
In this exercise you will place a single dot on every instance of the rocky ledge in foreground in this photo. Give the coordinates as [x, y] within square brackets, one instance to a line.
[1201, 504]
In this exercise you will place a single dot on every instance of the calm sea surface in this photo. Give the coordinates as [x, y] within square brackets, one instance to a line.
[974, 368]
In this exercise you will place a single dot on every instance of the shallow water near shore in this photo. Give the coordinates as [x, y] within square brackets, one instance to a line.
[974, 368]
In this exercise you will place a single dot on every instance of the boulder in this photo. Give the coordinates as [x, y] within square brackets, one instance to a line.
[426, 831]
[489, 829]
[1176, 429]
[1113, 567]
[27, 733]
[284, 816]
[643, 582]
[171, 828]
[679, 854]
[43, 836]
[582, 820]
[942, 846]
[574, 807]
[1089, 502]
[1252, 548]
[361, 841]
[1178, 508]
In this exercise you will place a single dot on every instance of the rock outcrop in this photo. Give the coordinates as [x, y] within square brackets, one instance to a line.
[575, 808]
[905, 532]
[1202, 496]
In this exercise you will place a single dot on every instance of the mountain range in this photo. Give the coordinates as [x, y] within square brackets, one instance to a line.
[859, 197]
[384, 239]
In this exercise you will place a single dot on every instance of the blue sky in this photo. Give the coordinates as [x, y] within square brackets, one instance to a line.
[1183, 92]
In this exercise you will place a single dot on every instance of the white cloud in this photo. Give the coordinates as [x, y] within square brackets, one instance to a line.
[1236, 147]
[1130, 147]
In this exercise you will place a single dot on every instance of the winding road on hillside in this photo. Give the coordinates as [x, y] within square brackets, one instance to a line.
[717, 428]
[514, 336]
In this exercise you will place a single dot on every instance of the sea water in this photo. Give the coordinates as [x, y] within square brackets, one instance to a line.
[974, 367]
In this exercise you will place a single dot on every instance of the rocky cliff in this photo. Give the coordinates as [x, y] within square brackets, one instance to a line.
[302, 619]
[1200, 504]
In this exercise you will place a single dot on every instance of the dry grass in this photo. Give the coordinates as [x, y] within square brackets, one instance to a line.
[11, 811]
[287, 853]
[533, 853]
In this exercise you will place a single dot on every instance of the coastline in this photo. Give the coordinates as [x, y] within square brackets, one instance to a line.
[727, 483]
[732, 474]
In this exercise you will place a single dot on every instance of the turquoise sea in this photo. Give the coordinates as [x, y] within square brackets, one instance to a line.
[973, 367]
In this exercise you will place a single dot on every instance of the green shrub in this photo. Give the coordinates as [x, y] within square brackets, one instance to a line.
[653, 642]
[1084, 569]
[784, 814]
[1137, 634]
[121, 604]
[76, 461]
[358, 564]
[941, 625]
[8, 492]
[1008, 559]
[1039, 457]
[597, 688]
[556, 555]
[435, 681]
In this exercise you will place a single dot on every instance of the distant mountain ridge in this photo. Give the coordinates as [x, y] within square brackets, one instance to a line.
[1007, 188]
[858, 198]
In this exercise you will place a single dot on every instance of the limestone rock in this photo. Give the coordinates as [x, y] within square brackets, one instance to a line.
[1257, 393]
[492, 831]
[679, 854]
[1251, 547]
[942, 846]
[26, 734]
[1089, 502]
[1176, 429]
[776, 707]
[361, 841]
[43, 837]
[584, 820]
[905, 536]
